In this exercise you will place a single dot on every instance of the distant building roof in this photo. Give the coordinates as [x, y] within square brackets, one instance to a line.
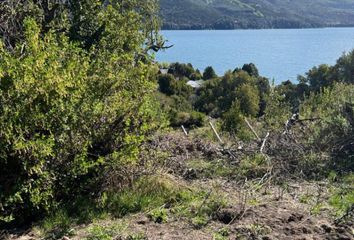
[163, 70]
[196, 84]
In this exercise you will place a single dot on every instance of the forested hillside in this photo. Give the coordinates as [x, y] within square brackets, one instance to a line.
[233, 14]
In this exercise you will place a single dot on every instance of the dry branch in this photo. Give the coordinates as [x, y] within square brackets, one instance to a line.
[264, 142]
[216, 133]
[252, 129]
[184, 130]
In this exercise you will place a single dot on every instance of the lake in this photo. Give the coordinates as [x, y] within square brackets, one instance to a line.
[279, 54]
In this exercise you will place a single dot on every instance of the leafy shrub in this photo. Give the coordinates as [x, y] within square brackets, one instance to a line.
[188, 119]
[65, 111]
[217, 95]
[333, 133]
[169, 85]
[233, 120]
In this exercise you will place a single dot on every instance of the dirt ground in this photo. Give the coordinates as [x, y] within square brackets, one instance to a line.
[276, 214]
[291, 211]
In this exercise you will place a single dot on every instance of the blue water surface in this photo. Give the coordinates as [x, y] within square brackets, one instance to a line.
[279, 54]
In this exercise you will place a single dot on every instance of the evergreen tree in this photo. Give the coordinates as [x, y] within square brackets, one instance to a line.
[209, 73]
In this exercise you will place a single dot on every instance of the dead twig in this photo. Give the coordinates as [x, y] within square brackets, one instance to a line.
[252, 129]
[216, 133]
[264, 142]
[184, 130]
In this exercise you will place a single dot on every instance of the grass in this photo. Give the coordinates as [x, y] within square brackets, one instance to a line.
[163, 198]
[111, 232]
[145, 195]
[199, 206]
[210, 169]
[160, 197]
[253, 166]
[222, 234]
[159, 215]
[98, 232]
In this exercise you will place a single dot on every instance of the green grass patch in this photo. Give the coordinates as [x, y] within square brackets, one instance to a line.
[146, 194]
[210, 169]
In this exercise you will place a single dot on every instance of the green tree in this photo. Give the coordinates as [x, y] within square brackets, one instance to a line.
[320, 77]
[81, 20]
[167, 84]
[345, 68]
[209, 73]
[248, 98]
[251, 69]
[232, 120]
[264, 90]
[181, 70]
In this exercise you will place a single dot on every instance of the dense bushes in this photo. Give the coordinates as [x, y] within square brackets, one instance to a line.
[333, 133]
[217, 96]
[69, 113]
[171, 86]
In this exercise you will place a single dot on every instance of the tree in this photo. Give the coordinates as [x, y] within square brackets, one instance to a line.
[209, 73]
[264, 90]
[251, 69]
[248, 98]
[233, 119]
[181, 70]
[344, 68]
[167, 84]
[319, 77]
[80, 20]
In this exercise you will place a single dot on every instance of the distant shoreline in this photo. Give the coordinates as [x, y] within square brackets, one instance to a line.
[232, 29]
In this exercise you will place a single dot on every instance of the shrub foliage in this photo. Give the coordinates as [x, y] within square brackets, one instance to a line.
[68, 112]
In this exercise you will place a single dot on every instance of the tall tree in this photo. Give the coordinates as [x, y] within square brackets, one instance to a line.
[209, 73]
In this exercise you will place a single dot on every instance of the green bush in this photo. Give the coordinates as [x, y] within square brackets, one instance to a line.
[216, 96]
[333, 132]
[188, 119]
[65, 112]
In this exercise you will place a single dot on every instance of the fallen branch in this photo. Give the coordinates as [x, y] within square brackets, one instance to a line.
[264, 142]
[216, 133]
[184, 130]
[254, 132]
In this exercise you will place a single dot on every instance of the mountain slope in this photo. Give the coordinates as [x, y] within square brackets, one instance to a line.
[231, 14]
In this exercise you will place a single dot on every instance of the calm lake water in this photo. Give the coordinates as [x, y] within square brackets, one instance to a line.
[279, 54]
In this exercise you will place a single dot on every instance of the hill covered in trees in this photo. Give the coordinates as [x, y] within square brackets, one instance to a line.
[234, 14]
